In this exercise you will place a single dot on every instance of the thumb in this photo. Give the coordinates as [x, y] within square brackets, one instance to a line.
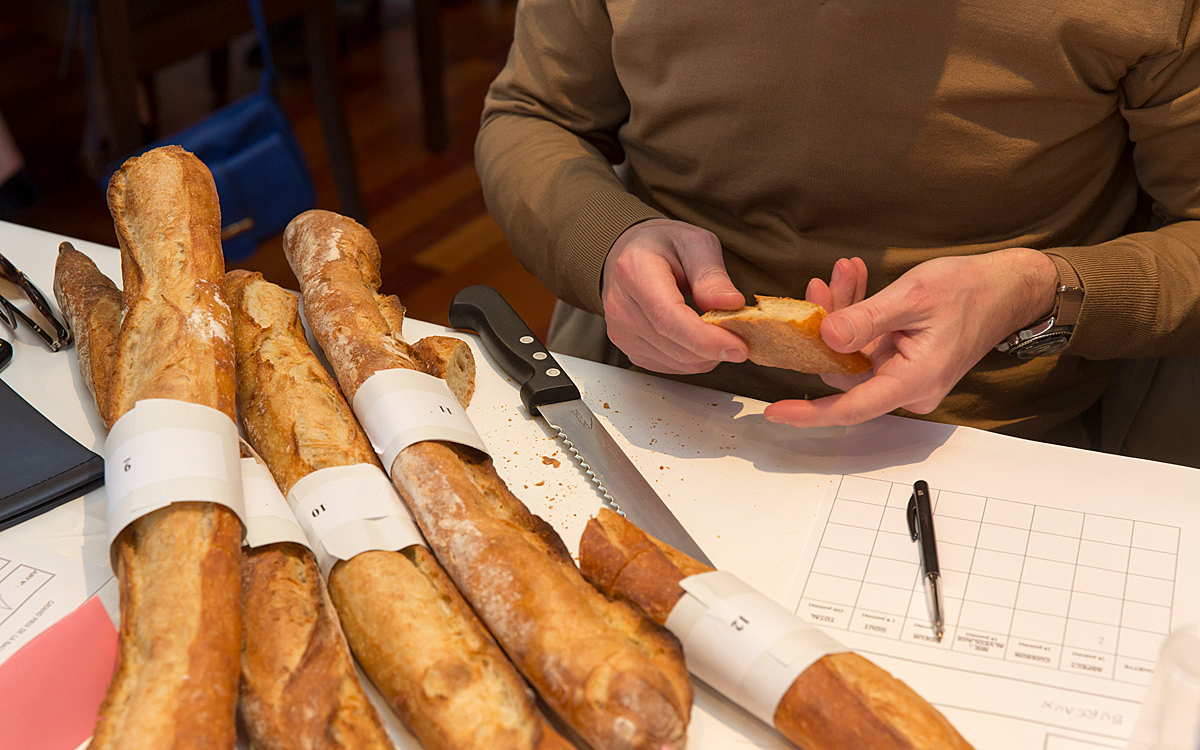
[851, 328]
[704, 268]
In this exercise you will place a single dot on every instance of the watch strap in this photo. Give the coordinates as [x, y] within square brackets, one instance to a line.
[1068, 298]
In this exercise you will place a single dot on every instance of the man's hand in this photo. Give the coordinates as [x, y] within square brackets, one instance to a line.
[922, 332]
[649, 269]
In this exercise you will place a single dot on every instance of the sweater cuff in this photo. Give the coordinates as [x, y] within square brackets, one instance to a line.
[601, 220]
[1119, 293]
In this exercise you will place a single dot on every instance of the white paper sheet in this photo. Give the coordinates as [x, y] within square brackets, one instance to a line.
[1059, 585]
[37, 588]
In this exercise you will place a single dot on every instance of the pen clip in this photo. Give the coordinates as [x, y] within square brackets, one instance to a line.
[911, 515]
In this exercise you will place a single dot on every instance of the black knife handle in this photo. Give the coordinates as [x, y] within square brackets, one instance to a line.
[482, 310]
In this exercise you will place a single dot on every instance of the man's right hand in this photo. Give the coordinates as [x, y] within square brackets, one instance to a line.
[650, 268]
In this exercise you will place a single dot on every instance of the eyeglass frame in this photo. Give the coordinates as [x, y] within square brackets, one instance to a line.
[10, 314]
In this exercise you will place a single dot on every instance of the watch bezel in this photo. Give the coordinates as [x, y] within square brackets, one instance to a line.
[1048, 336]
[1042, 344]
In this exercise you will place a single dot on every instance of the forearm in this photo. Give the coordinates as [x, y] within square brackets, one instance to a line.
[557, 199]
[547, 143]
[1141, 294]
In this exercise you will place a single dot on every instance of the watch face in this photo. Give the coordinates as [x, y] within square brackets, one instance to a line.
[1043, 345]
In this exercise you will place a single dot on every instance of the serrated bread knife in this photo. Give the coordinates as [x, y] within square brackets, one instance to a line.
[546, 391]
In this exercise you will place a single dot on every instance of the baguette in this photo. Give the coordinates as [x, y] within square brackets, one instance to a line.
[177, 666]
[613, 676]
[415, 637]
[91, 303]
[299, 688]
[840, 701]
[784, 332]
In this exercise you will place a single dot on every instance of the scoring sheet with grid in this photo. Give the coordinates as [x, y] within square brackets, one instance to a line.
[18, 582]
[1080, 592]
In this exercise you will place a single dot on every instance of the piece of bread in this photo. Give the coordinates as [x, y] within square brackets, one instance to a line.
[415, 637]
[612, 675]
[91, 303]
[451, 360]
[784, 332]
[178, 567]
[842, 700]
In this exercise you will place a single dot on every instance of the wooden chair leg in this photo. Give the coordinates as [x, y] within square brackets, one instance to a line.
[114, 39]
[218, 74]
[148, 112]
[431, 68]
[320, 32]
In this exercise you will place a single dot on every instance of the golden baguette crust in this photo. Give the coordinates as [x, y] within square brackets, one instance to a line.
[299, 688]
[784, 332]
[174, 340]
[842, 700]
[614, 677]
[332, 256]
[91, 303]
[624, 562]
[416, 638]
[178, 567]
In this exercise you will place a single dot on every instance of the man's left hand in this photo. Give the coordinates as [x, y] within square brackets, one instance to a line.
[923, 332]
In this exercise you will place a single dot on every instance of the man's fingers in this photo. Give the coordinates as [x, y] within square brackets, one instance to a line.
[860, 278]
[818, 293]
[649, 270]
[670, 349]
[847, 285]
[650, 356]
[846, 382]
[842, 284]
[704, 268]
[670, 324]
[864, 402]
[679, 326]
[849, 329]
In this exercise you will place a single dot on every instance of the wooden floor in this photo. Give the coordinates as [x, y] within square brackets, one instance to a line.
[425, 209]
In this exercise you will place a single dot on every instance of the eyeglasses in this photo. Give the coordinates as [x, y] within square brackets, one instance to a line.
[12, 315]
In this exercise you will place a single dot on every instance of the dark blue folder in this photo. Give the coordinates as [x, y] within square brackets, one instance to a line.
[41, 467]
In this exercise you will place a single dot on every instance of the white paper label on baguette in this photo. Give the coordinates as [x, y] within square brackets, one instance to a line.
[269, 518]
[164, 451]
[743, 644]
[347, 510]
[400, 407]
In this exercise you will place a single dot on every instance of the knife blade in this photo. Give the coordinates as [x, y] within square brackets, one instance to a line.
[547, 392]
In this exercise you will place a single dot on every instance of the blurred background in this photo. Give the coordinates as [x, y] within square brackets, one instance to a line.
[384, 97]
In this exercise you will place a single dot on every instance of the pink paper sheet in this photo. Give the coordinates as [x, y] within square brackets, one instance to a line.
[50, 690]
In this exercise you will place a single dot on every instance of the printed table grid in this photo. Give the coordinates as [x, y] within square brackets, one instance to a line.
[17, 583]
[1058, 589]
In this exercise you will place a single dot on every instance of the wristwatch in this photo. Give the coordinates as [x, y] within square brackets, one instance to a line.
[1050, 335]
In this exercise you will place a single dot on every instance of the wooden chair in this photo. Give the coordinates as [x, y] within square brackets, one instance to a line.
[427, 22]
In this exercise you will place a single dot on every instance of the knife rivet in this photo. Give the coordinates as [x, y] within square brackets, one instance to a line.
[554, 372]
[526, 339]
[539, 356]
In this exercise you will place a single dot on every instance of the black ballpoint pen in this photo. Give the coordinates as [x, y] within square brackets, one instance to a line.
[920, 525]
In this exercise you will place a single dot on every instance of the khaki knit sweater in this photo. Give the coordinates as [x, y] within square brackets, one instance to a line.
[804, 131]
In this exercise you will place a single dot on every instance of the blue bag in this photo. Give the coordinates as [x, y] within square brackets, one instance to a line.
[261, 177]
